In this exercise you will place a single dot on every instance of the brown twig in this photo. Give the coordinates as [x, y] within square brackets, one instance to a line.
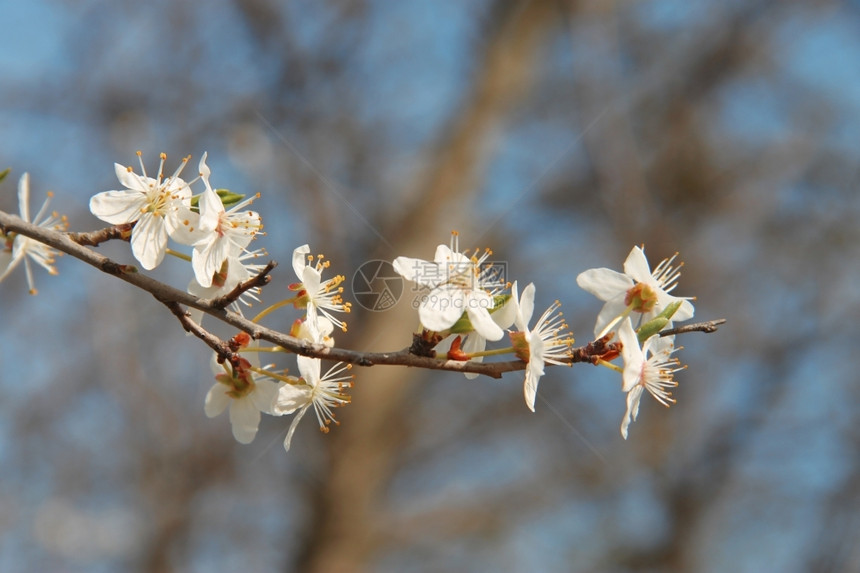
[261, 279]
[222, 349]
[95, 238]
[173, 298]
[708, 326]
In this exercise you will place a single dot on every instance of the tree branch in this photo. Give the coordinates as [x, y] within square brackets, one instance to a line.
[173, 298]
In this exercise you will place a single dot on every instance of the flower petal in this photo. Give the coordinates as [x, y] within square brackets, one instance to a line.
[245, 419]
[441, 308]
[636, 266]
[217, 400]
[300, 260]
[211, 208]
[149, 241]
[289, 439]
[527, 306]
[24, 197]
[418, 271]
[603, 283]
[633, 399]
[610, 311]
[128, 179]
[632, 354]
[265, 396]
[118, 207]
[506, 315]
[483, 322]
[310, 369]
[290, 398]
[530, 386]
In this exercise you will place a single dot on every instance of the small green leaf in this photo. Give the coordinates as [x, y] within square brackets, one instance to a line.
[4, 173]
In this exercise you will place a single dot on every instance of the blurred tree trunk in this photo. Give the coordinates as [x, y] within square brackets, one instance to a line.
[350, 502]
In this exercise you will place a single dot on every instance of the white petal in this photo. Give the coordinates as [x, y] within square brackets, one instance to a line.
[527, 306]
[311, 280]
[118, 207]
[245, 419]
[127, 178]
[290, 398]
[265, 396]
[418, 271]
[441, 309]
[633, 399]
[184, 226]
[14, 259]
[309, 369]
[483, 323]
[149, 241]
[444, 255]
[204, 170]
[636, 266]
[505, 315]
[473, 343]
[300, 260]
[288, 440]
[610, 311]
[604, 283]
[530, 387]
[632, 355]
[208, 261]
[210, 210]
[24, 197]
[217, 400]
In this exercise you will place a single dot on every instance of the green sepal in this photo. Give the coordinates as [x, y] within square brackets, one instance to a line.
[657, 323]
[670, 310]
[228, 199]
[462, 326]
[4, 173]
[651, 328]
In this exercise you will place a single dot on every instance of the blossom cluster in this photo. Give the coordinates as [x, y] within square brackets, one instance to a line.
[642, 294]
[463, 301]
[164, 208]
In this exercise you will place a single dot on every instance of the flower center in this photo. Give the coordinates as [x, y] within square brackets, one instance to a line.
[641, 298]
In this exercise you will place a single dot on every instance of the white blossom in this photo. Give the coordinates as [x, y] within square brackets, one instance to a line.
[638, 289]
[548, 342]
[319, 297]
[225, 233]
[647, 368]
[312, 390]
[17, 248]
[245, 392]
[457, 283]
[159, 208]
